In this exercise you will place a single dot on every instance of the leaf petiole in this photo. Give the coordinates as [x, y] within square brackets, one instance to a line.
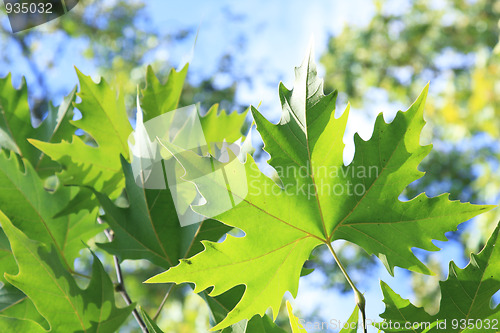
[358, 296]
[169, 291]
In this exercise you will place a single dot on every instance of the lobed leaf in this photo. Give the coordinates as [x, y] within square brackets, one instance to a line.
[221, 305]
[465, 297]
[15, 125]
[284, 223]
[104, 118]
[31, 209]
[54, 292]
[160, 98]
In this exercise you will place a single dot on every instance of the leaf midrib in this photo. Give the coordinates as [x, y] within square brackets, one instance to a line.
[150, 219]
[325, 232]
[479, 285]
[340, 224]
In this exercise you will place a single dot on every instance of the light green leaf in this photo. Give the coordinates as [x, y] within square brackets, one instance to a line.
[16, 128]
[465, 297]
[14, 325]
[319, 202]
[294, 321]
[13, 303]
[218, 127]
[352, 323]
[65, 306]
[31, 209]
[161, 98]
[221, 305]
[104, 118]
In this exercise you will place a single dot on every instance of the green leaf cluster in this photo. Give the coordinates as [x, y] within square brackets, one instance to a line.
[60, 178]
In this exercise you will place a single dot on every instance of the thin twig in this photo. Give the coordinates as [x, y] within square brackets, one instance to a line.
[169, 291]
[358, 296]
[121, 286]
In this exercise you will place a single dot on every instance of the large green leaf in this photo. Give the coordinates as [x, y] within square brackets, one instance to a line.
[465, 297]
[57, 297]
[319, 200]
[104, 118]
[16, 128]
[149, 228]
[31, 209]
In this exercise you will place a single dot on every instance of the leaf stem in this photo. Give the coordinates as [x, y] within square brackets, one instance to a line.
[358, 296]
[169, 291]
[121, 285]
[79, 274]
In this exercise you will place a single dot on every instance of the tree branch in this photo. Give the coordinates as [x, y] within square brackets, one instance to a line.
[121, 285]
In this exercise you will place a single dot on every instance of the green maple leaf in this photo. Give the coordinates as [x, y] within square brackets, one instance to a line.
[15, 125]
[161, 98]
[104, 118]
[54, 292]
[31, 209]
[283, 224]
[149, 227]
[218, 127]
[465, 296]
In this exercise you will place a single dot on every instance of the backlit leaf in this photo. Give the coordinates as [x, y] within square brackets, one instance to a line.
[65, 306]
[465, 297]
[319, 200]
